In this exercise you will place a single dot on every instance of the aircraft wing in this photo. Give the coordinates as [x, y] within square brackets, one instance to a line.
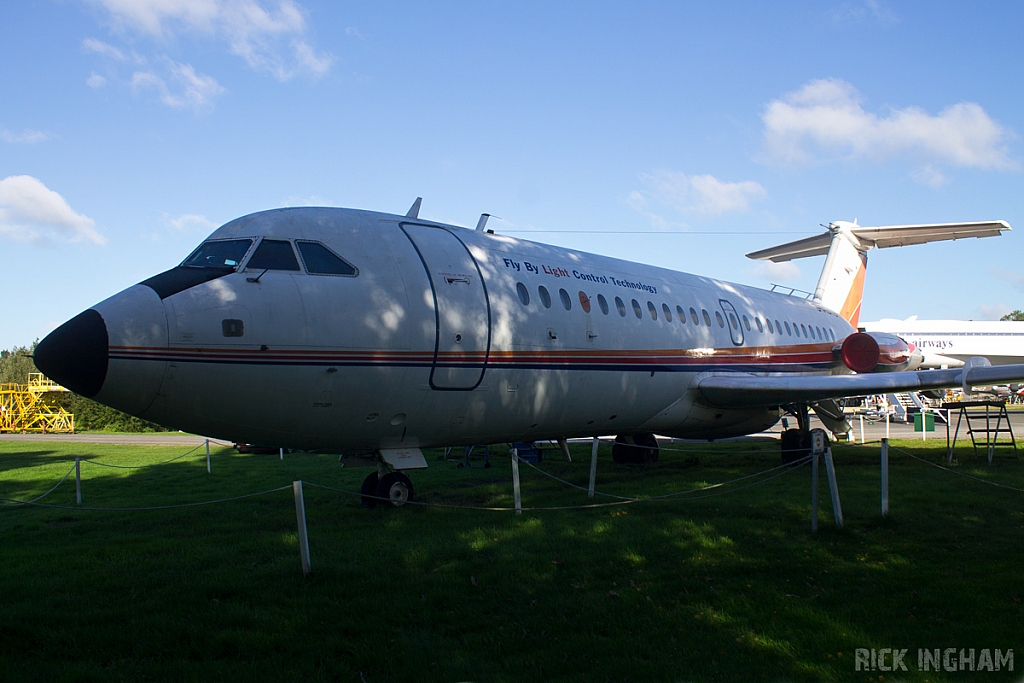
[742, 390]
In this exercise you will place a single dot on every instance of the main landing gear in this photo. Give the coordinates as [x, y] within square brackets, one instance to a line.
[796, 443]
[641, 447]
[386, 488]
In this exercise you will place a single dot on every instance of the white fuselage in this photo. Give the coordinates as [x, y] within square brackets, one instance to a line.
[948, 343]
[446, 336]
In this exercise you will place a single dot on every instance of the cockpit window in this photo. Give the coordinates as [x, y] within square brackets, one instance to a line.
[274, 255]
[218, 254]
[320, 260]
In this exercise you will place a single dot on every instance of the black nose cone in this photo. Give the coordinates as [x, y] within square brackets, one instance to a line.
[75, 354]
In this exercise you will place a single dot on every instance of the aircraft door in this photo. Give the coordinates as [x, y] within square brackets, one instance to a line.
[732, 321]
[461, 310]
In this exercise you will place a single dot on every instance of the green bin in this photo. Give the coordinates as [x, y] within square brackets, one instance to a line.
[929, 422]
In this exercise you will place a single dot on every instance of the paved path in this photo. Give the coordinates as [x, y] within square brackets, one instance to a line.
[146, 439]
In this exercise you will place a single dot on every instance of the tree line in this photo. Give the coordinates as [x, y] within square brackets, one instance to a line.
[15, 366]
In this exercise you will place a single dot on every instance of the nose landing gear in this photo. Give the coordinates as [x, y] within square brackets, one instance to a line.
[392, 489]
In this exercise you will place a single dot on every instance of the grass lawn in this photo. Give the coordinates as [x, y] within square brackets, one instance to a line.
[728, 584]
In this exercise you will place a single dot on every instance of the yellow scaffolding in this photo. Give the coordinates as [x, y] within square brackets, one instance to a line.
[31, 407]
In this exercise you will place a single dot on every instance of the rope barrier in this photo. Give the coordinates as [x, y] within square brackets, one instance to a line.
[795, 463]
[154, 507]
[952, 471]
[670, 497]
[139, 467]
[17, 503]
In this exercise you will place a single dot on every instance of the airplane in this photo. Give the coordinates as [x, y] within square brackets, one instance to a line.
[950, 343]
[375, 334]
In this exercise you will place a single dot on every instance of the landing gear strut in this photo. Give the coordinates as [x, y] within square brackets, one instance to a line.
[796, 443]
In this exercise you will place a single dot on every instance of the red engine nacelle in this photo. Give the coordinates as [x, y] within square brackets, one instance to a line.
[877, 352]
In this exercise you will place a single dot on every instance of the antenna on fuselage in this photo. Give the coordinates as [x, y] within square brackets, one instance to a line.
[481, 225]
[414, 210]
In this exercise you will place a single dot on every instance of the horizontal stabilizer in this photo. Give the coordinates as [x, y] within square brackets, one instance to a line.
[808, 246]
[866, 238]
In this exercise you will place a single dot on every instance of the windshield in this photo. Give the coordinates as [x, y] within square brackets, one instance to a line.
[219, 254]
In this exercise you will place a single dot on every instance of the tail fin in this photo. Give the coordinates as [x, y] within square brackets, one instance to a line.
[846, 246]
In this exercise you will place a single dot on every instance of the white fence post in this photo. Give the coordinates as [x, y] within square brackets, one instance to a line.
[837, 508]
[593, 467]
[515, 481]
[300, 514]
[207, 456]
[885, 477]
[78, 480]
[814, 492]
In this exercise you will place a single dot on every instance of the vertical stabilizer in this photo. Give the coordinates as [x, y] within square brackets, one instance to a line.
[846, 246]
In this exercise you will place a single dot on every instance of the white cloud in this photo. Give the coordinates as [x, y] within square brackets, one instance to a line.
[353, 32]
[824, 120]
[95, 81]
[26, 137]
[1010, 277]
[101, 48]
[31, 212]
[192, 89]
[694, 194]
[991, 312]
[191, 222]
[786, 271]
[270, 40]
[929, 175]
[868, 11]
[309, 200]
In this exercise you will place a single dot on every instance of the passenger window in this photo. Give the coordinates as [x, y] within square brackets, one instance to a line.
[319, 260]
[636, 309]
[718, 317]
[585, 302]
[681, 313]
[667, 311]
[653, 310]
[760, 328]
[566, 301]
[620, 306]
[818, 330]
[603, 303]
[788, 331]
[734, 323]
[693, 316]
[545, 298]
[803, 329]
[707, 318]
[746, 322]
[524, 293]
[274, 255]
[771, 330]
[778, 326]
[218, 254]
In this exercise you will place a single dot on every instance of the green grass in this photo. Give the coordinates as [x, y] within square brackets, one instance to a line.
[730, 587]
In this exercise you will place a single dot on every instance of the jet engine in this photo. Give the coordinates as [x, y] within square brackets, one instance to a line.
[865, 352]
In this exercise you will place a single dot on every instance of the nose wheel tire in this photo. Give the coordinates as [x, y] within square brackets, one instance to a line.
[396, 488]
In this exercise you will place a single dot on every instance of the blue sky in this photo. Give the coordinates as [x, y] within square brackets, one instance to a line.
[689, 133]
